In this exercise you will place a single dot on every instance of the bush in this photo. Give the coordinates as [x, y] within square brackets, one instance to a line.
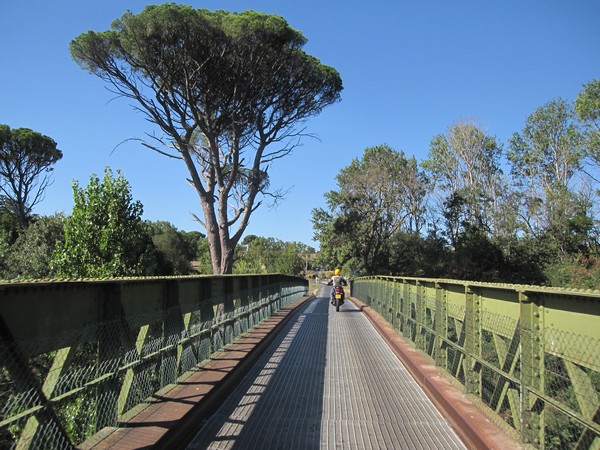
[31, 254]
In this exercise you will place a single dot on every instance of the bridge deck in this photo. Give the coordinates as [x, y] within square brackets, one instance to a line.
[327, 381]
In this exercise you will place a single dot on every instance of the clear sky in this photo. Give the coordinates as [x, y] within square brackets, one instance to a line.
[410, 69]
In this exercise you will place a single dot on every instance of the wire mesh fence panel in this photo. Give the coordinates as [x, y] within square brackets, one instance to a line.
[78, 357]
[531, 355]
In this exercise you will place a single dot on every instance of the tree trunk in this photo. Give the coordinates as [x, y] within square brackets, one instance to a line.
[214, 249]
[220, 244]
[227, 259]
[213, 236]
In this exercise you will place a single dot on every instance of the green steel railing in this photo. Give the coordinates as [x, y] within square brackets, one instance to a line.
[531, 355]
[79, 357]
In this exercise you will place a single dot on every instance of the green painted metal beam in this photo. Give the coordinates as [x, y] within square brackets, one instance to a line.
[530, 353]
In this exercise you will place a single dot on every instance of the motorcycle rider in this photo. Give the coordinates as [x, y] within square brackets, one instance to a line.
[337, 280]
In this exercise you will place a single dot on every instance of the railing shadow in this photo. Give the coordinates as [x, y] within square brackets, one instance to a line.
[279, 404]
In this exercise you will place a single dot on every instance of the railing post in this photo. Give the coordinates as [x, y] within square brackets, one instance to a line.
[133, 336]
[388, 301]
[376, 298]
[113, 334]
[206, 294]
[185, 347]
[207, 314]
[472, 341]
[396, 306]
[405, 308]
[441, 325]
[172, 327]
[532, 370]
[229, 308]
[381, 296]
[240, 293]
[420, 314]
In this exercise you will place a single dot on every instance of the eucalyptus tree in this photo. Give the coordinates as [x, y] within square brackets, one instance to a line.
[26, 160]
[545, 158]
[378, 195]
[587, 107]
[230, 92]
[464, 166]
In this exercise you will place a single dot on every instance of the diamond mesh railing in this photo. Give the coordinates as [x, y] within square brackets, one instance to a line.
[79, 357]
[530, 356]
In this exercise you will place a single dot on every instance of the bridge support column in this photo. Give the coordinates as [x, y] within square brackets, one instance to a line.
[420, 314]
[173, 325]
[441, 326]
[532, 371]
[396, 306]
[473, 342]
[113, 335]
[405, 310]
[240, 300]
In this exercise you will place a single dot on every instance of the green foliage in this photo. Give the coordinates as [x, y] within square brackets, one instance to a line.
[526, 259]
[537, 228]
[578, 271]
[464, 168]
[269, 255]
[587, 106]
[545, 158]
[4, 252]
[335, 234]
[548, 149]
[175, 253]
[378, 195]
[570, 225]
[31, 254]
[105, 236]
[192, 241]
[203, 257]
[335, 250]
[9, 223]
[26, 160]
[561, 431]
[463, 159]
[476, 257]
[414, 255]
[79, 416]
[587, 103]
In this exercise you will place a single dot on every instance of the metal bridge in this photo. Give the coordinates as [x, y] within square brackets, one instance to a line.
[257, 362]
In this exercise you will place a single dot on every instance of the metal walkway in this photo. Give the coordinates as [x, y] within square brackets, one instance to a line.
[327, 381]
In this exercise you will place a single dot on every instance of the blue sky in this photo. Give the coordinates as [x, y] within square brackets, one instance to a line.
[410, 69]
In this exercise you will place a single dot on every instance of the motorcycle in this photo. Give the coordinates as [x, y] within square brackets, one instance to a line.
[338, 297]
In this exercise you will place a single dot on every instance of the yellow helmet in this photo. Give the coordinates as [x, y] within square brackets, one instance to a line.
[337, 271]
